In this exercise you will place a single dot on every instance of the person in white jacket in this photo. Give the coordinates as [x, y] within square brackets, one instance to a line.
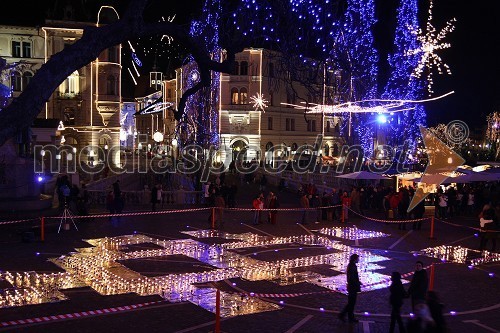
[486, 222]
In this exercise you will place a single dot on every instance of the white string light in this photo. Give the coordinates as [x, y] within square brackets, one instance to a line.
[385, 106]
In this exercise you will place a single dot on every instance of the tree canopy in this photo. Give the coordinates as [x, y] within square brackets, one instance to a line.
[334, 34]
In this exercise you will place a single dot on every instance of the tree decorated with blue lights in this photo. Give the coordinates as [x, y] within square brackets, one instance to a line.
[5, 73]
[356, 55]
[200, 123]
[311, 36]
[403, 128]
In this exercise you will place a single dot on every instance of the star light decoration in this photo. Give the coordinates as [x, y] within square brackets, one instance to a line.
[430, 43]
[259, 102]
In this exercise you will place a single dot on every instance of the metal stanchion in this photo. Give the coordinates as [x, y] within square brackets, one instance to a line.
[213, 218]
[431, 278]
[217, 311]
[42, 229]
[431, 236]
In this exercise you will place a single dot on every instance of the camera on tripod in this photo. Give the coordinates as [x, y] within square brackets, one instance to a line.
[67, 214]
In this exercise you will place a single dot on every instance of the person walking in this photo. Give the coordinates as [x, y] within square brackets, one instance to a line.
[353, 288]
[356, 200]
[346, 204]
[436, 310]
[258, 205]
[419, 285]
[488, 228]
[273, 204]
[154, 197]
[304, 203]
[263, 183]
[422, 321]
[443, 205]
[220, 204]
[398, 293]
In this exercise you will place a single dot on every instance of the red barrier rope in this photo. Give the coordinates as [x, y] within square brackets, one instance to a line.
[17, 221]
[388, 221]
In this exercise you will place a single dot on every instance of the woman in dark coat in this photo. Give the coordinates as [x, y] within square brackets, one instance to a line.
[353, 288]
[418, 285]
[398, 293]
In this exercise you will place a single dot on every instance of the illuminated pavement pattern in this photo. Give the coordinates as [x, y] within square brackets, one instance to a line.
[293, 282]
[103, 267]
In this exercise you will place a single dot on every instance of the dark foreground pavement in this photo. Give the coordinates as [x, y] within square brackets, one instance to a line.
[471, 294]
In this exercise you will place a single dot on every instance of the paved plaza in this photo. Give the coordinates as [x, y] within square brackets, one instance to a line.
[160, 272]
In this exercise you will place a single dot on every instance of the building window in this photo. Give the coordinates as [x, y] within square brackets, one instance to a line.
[243, 96]
[269, 123]
[16, 81]
[21, 49]
[328, 126]
[69, 116]
[236, 68]
[311, 125]
[271, 69]
[16, 49]
[26, 79]
[26, 50]
[244, 68]
[271, 98]
[287, 124]
[111, 85]
[235, 96]
[292, 124]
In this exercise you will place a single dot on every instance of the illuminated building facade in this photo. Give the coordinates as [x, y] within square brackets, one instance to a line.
[273, 131]
[88, 102]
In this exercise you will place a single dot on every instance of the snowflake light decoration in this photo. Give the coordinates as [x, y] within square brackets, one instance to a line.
[430, 43]
[259, 102]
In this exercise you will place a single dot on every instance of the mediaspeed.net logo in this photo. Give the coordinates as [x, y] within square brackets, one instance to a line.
[195, 159]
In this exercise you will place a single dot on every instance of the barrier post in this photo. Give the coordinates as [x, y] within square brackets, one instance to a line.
[42, 229]
[217, 311]
[431, 236]
[431, 278]
[213, 218]
[342, 218]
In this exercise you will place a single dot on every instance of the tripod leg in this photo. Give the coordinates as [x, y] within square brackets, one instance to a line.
[71, 216]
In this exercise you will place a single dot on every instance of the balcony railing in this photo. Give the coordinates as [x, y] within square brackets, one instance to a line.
[62, 95]
[137, 198]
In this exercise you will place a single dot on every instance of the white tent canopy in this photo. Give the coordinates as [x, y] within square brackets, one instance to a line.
[363, 175]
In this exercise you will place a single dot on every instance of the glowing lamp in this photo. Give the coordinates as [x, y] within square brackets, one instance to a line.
[158, 137]
[381, 119]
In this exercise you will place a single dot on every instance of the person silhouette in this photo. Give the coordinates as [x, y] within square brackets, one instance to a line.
[353, 288]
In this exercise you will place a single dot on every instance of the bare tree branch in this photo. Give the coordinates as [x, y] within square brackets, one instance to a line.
[24, 109]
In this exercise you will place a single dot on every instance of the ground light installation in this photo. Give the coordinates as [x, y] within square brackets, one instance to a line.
[113, 266]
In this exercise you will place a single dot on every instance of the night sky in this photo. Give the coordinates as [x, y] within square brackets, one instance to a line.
[475, 68]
